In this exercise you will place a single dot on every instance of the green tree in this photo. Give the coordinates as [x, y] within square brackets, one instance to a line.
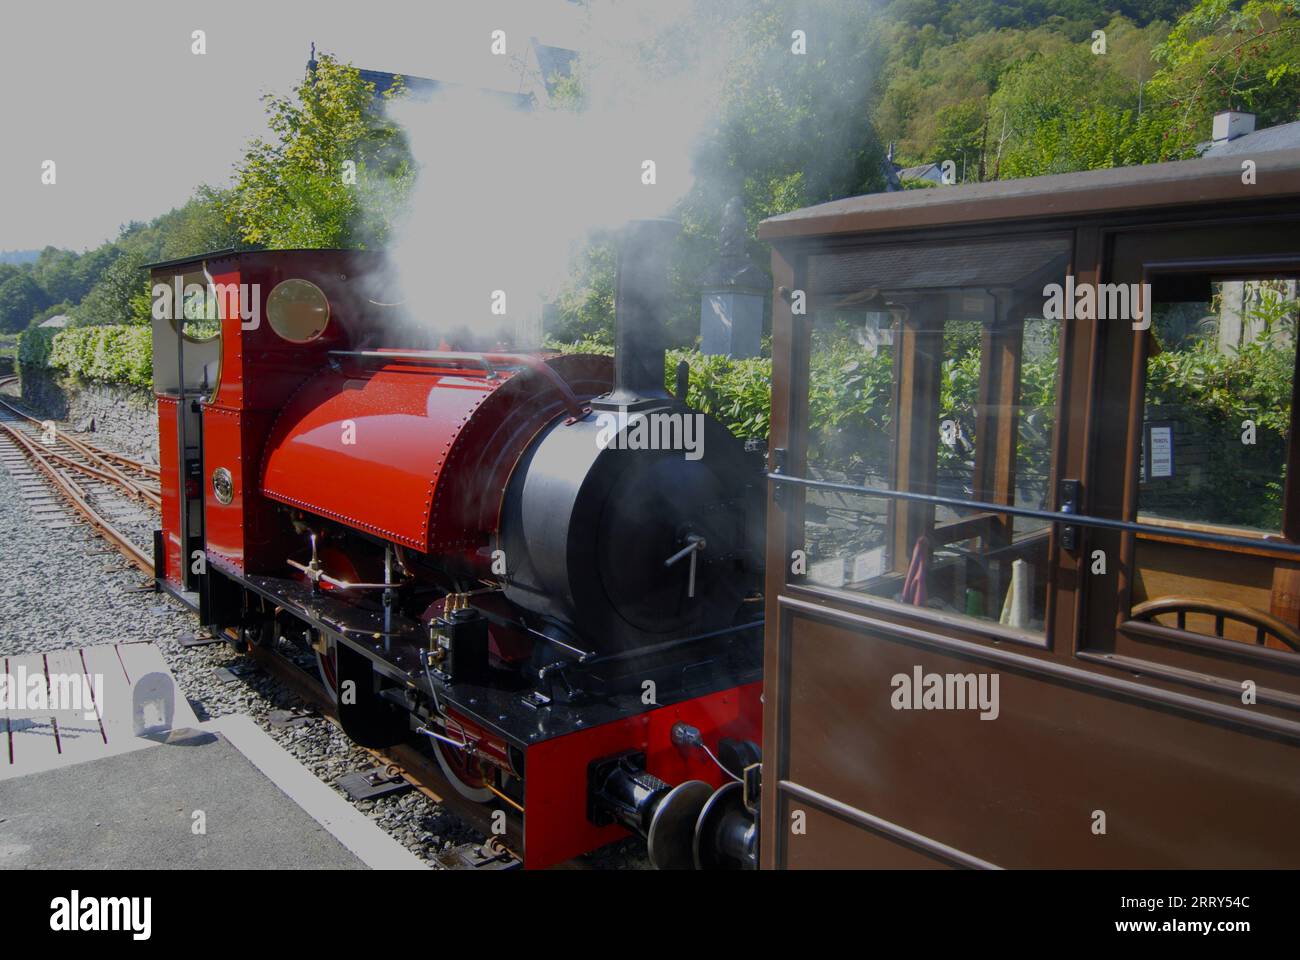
[916, 107]
[120, 296]
[200, 226]
[60, 275]
[586, 304]
[20, 300]
[1228, 54]
[962, 135]
[293, 190]
[1067, 111]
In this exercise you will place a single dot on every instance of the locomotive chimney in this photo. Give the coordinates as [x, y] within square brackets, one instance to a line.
[640, 314]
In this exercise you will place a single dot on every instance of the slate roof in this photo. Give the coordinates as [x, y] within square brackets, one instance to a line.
[1282, 137]
[920, 172]
[423, 88]
[555, 63]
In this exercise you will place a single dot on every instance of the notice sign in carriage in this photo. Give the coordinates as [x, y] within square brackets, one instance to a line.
[1158, 463]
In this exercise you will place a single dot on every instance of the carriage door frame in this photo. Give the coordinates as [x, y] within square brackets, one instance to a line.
[1070, 455]
[1145, 253]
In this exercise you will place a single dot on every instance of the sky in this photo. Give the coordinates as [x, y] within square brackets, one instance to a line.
[134, 121]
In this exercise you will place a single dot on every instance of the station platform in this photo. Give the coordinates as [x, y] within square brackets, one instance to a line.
[123, 790]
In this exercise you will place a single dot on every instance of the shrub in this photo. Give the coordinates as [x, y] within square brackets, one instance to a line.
[1211, 394]
[118, 353]
[736, 392]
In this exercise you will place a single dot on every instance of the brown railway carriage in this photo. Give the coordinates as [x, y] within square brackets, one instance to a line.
[1033, 588]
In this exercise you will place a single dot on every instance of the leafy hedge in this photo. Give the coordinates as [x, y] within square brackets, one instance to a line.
[1211, 395]
[120, 353]
[736, 392]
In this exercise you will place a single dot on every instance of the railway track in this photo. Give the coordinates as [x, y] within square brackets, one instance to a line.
[55, 471]
[114, 494]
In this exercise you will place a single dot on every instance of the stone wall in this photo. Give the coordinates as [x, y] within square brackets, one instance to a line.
[120, 418]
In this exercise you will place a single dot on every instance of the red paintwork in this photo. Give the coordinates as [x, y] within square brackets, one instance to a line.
[431, 447]
[242, 532]
[434, 449]
[556, 827]
[259, 371]
[491, 749]
[169, 482]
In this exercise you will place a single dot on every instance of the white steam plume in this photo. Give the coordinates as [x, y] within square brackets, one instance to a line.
[504, 196]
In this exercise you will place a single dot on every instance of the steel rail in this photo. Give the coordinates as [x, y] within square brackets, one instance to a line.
[154, 500]
[77, 497]
[148, 469]
[105, 460]
[109, 460]
[133, 488]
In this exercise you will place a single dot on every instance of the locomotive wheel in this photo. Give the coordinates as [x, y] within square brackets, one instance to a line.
[259, 633]
[461, 772]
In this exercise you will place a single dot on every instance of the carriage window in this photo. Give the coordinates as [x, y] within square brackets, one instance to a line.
[933, 371]
[1216, 422]
[1218, 401]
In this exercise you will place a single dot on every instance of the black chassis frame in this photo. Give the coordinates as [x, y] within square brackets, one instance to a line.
[396, 654]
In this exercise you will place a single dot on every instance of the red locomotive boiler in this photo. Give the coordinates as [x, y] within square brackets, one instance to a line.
[567, 619]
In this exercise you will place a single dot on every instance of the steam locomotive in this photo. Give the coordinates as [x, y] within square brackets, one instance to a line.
[486, 553]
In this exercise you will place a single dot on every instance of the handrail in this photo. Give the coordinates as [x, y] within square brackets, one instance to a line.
[1221, 610]
[1051, 516]
[477, 360]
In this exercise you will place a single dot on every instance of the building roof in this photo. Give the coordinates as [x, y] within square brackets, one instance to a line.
[423, 88]
[1001, 261]
[58, 320]
[555, 63]
[419, 88]
[1285, 136]
[1114, 190]
[918, 172]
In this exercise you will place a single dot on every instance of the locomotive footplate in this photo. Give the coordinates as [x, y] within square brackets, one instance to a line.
[396, 646]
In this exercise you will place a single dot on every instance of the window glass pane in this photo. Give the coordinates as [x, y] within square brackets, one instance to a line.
[1218, 402]
[933, 371]
[1215, 432]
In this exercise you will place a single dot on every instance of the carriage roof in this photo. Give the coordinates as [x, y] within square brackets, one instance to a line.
[1092, 192]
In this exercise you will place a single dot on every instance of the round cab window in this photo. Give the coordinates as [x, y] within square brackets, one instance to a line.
[298, 310]
[199, 312]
